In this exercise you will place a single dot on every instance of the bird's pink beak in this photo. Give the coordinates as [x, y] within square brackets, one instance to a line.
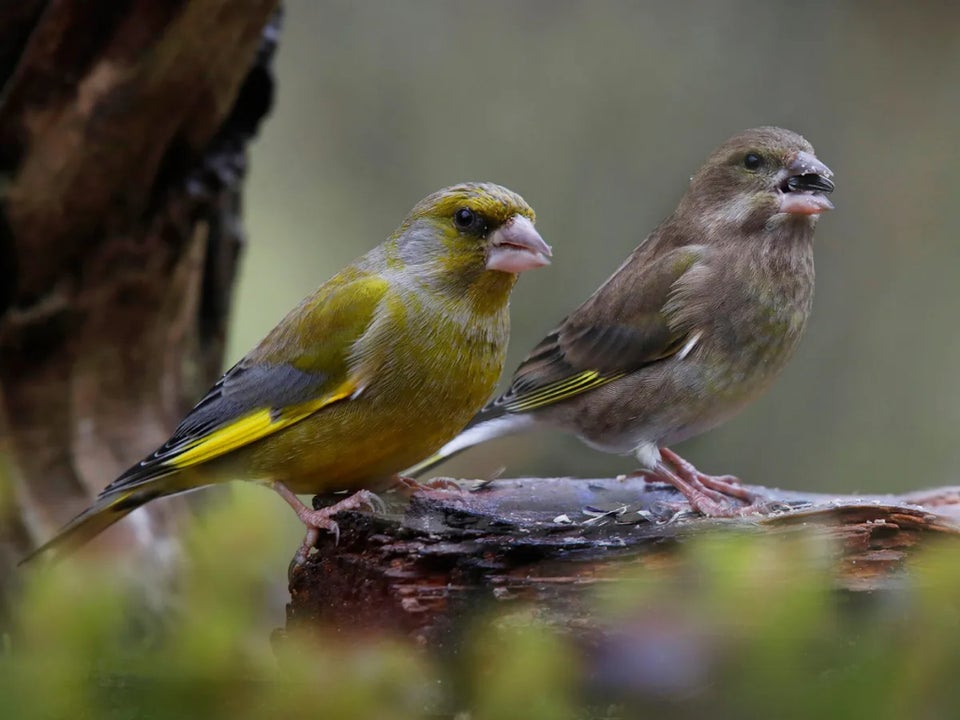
[516, 246]
[804, 190]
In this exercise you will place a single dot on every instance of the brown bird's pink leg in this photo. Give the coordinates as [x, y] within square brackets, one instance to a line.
[724, 484]
[316, 520]
[707, 494]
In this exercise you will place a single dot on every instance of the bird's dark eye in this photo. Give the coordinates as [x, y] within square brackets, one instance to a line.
[752, 161]
[465, 219]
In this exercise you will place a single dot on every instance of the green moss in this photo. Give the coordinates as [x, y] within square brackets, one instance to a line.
[734, 625]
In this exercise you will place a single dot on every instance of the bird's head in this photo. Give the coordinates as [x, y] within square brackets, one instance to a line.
[762, 178]
[470, 233]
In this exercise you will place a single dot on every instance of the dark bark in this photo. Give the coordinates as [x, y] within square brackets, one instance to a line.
[123, 134]
[424, 572]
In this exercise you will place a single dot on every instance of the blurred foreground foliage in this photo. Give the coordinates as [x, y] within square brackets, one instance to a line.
[731, 626]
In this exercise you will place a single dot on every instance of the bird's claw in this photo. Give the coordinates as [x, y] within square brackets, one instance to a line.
[713, 496]
[321, 518]
[409, 486]
[371, 501]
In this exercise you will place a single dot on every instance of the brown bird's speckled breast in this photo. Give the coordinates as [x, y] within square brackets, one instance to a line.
[736, 356]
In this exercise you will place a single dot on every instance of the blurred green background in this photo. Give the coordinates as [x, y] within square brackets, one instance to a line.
[598, 113]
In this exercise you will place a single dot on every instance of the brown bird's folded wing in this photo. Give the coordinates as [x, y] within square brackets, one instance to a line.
[624, 326]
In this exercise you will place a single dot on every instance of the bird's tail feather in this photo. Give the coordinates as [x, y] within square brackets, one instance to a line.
[487, 425]
[107, 510]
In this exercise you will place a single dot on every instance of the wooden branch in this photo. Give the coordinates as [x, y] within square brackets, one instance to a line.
[548, 541]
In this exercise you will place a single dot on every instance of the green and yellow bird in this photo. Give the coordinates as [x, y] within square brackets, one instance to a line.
[378, 368]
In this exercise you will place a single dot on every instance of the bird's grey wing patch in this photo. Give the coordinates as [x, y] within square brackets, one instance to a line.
[244, 388]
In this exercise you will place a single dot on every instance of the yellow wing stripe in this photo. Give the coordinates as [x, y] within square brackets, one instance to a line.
[555, 392]
[251, 427]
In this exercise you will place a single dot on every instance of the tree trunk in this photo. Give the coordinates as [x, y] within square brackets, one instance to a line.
[123, 133]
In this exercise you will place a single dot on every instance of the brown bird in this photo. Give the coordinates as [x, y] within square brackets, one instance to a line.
[695, 324]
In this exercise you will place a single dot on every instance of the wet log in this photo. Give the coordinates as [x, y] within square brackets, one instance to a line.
[422, 569]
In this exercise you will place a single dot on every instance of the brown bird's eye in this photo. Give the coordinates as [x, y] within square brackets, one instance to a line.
[465, 219]
[752, 161]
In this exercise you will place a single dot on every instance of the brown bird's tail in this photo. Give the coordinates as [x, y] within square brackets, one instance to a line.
[108, 509]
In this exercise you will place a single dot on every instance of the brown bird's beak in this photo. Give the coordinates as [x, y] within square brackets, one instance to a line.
[804, 191]
[516, 246]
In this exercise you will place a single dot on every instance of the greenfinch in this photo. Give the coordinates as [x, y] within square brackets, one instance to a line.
[377, 369]
[695, 324]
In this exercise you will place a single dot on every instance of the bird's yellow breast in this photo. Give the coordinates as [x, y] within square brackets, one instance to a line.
[421, 396]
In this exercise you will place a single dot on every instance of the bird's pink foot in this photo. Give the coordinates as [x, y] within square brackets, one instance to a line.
[409, 486]
[322, 518]
[723, 484]
[713, 496]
